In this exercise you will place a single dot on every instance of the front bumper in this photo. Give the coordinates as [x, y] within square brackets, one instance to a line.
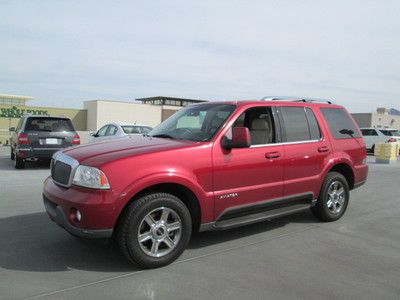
[57, 214]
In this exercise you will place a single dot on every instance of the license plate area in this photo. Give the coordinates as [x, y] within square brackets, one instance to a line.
[49, 141]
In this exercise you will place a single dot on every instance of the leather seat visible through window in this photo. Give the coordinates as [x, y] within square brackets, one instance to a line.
[260, 132]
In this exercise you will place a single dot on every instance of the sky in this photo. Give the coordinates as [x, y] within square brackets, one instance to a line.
[65, 52]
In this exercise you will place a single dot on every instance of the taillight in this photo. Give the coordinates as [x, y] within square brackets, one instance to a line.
[76, 140]
[23, 139]
[392, 140]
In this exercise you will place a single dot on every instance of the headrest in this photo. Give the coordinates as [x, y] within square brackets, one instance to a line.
[259, 124]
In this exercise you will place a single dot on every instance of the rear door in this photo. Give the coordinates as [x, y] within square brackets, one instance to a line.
[306, 151]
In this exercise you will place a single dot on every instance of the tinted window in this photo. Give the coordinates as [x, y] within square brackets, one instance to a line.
[369, 132]
[49, 124]
[315, 132]
[390, 132]
[295, 124]
[340, 123]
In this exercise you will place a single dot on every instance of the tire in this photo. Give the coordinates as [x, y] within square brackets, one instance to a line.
[164, 225]
[12, 155]
[19, 163]
[333, 199]
[373, 149]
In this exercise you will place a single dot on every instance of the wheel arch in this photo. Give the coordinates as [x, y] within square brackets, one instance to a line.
[180, 191]
[346, 171]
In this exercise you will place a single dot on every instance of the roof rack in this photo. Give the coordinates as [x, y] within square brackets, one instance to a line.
[294, 99]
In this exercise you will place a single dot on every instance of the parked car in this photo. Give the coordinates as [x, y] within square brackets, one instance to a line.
[118, 130]
[39, 137]
[211, 166]
[373, 136]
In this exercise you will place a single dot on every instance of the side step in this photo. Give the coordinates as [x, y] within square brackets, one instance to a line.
[260, 216]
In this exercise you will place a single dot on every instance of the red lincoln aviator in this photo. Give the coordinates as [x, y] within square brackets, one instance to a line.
[211, 166]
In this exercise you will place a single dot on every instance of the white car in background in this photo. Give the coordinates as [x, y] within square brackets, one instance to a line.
[118, 130]
[373, 136]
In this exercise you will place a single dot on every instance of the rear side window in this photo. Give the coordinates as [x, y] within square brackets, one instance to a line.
[300, 124]
[369, 132]
[49, 124]
[340, 123]
[315, 132]
[390, 132]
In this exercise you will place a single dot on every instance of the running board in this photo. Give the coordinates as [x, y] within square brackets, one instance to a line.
[258, 217]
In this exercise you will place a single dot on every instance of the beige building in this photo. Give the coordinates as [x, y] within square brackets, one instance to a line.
[96, 113]
[382, 118]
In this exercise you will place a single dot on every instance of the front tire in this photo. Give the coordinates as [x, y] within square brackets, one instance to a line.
[154, 230]
[333, 199]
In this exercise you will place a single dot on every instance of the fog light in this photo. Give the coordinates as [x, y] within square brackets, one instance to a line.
[75, 215]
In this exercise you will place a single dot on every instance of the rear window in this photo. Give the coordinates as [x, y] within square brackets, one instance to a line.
[300, 124]
[390, 132]
[340, 123]
[131, 129]
[369, 132]
[49, 124]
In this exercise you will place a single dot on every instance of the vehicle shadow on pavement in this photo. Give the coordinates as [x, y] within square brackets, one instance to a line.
[34, 243]
[209, 238]
[7, 164]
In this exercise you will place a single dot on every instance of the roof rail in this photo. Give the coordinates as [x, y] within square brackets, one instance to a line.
[294, 99]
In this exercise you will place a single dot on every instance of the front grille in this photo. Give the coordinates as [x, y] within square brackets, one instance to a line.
[60, 172]
[62, 167]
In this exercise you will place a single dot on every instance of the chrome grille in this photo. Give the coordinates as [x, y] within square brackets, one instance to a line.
[62, 169]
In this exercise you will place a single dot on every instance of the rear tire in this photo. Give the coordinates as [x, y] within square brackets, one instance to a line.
[154, 230]
[19, 163]
[333, 199]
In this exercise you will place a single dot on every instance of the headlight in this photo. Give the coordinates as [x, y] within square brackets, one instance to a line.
[90, 177]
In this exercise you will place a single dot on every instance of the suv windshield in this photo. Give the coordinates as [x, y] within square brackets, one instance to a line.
[49, 124]
[196, 123]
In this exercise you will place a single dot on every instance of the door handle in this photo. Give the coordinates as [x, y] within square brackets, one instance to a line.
[272, 155]
[323, 149]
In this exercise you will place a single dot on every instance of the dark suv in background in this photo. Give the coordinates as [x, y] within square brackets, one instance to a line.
[39, 137]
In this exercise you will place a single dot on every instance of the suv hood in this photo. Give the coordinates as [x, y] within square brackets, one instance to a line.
[108, 150]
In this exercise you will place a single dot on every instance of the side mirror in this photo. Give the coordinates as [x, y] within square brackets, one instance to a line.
[240, 139]
[12, 129]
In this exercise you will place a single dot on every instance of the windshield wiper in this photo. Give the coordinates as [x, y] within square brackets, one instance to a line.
[163, 135]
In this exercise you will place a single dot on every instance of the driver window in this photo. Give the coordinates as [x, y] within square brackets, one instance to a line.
[259, 121]
[102, 131]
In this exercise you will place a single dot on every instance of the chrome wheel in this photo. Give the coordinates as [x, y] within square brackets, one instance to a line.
[159, 232]
[336, 197]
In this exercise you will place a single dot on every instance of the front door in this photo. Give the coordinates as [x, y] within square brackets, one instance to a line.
[247, 176]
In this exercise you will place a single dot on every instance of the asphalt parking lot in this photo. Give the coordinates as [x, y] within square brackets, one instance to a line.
[357, 257]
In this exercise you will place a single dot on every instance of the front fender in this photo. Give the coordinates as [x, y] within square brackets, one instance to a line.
[205, 199]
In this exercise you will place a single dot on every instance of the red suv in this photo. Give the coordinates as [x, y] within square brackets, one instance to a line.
[210, 166]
